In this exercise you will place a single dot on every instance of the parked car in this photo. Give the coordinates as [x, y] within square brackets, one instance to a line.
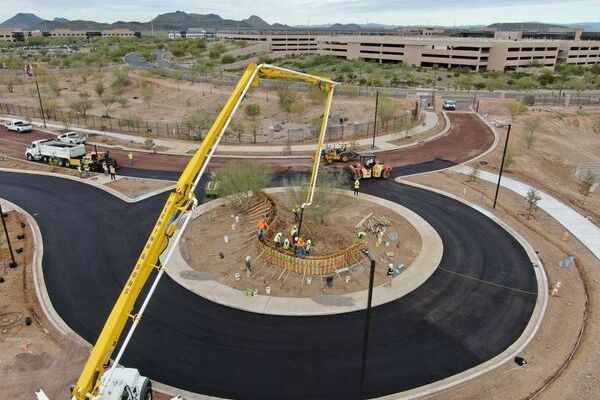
[449, 105]
[18, 126]
[71, 138]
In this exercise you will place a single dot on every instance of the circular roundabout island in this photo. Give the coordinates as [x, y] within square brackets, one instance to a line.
[222, 258]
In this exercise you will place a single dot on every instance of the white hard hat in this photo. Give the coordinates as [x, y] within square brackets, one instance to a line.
[308, 241]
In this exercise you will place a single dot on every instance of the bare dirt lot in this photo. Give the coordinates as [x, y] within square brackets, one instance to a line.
[562, 140]
[204, 240]
[34, 356]
[564, 317]
[135, 187]
[169, 100]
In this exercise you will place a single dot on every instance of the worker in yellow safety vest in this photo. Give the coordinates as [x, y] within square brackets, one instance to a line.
[307, 246]
[277, 240]
[361, 235]
[356, 186]
[294, 231]
[286, 244]
[296, 210]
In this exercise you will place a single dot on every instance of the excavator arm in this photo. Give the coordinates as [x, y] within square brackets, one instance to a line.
[180, 202]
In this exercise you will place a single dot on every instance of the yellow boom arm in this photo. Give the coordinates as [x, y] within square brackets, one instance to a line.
[180, 201]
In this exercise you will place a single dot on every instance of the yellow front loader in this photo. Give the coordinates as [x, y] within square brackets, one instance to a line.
[102, 380]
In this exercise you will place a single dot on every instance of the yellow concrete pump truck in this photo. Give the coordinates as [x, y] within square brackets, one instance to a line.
[103, 380]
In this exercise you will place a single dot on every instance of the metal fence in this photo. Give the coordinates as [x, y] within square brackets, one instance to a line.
[343, 130]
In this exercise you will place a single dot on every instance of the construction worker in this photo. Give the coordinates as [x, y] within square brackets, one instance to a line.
[300, 246]
[356, 186]
[262, 228]
[277, 240]
[361, 235]
[307, 246]
[86, 168]
[248, 266]
[294, 231]
[296, 210]
[286, 244]
[130, 157]
[390, 271]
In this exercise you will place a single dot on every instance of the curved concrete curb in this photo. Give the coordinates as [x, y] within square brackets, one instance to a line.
[528, 334]
[112, 191]
[414, 276]
[38, 279]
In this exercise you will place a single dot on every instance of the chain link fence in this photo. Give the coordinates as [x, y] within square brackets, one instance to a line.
[342, 131]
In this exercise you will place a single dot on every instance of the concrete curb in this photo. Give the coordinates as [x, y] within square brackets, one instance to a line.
[528, 334]
[38, 279]
[414, 276]
[112, 191]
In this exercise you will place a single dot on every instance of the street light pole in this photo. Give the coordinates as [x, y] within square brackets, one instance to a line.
[375, 122]
[502, 165]
[40, 99]
[363, 369]
[13, 264]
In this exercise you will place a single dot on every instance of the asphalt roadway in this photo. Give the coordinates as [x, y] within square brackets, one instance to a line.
[467, 312]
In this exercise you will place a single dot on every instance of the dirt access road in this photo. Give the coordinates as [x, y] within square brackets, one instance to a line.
[467, 137]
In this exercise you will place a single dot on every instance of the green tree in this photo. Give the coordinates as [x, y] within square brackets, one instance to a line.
[252, 110]
[147, 94]
[99, 88]
[531, 126]
[386, 110]
[464, 81]
[108, 101]
[81, 106]
[525, 83]
[533, 198]
[196, 122]
[227, 59]
[54, 86]
[241, 181]
[495, 83]
[298, 107]
[287, 96]
[587, 184]
[326, 197]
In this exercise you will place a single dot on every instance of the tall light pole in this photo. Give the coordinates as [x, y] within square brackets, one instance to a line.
[375, 122]
[363, 368]
[13, 264]
[502, 165]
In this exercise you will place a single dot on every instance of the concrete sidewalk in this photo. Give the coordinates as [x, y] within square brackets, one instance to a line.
[181, 147]
[581, 227]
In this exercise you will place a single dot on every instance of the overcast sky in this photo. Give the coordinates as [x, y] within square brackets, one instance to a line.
[396, 12]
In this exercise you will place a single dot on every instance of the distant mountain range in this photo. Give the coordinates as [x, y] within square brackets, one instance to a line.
[182, 20]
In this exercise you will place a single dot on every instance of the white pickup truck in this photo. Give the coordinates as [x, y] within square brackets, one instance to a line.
[18, 126]
[45, 150]
[71, 138]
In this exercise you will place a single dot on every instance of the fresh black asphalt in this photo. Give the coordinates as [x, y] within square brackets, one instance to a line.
[449, 324]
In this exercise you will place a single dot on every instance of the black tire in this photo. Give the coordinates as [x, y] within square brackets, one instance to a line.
[67, 163]
[386, 174]
[344, 158]
[356, 175]
[146, 392]
[29, 157]
[46, 159]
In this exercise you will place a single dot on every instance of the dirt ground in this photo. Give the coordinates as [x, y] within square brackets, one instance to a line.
[563, 319]
[562, 141]
[34, 356]
[172, 100]
[6, 162]
[135, 187]
[203, 241]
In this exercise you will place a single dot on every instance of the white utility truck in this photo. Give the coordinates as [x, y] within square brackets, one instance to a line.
[71, 137]
[18, 126]
[46, 150]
